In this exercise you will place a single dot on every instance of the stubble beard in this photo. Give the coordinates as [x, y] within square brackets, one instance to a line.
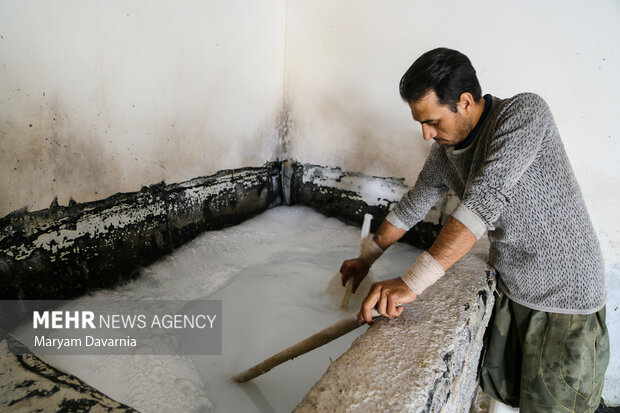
[462, 131]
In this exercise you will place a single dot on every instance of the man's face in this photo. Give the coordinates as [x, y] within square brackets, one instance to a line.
[439, 122]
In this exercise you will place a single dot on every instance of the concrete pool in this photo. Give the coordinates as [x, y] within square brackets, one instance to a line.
[163, 243]
[270, 273]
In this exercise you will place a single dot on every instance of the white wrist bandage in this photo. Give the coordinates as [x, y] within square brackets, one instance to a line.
[370, 251]
[423, 273]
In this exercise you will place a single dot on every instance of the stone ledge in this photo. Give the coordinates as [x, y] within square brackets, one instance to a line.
[426, 360]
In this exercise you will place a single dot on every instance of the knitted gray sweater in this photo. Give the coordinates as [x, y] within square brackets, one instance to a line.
[516, 181]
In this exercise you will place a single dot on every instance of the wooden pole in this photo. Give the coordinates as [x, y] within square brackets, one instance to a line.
[348, 288]
[319, 339]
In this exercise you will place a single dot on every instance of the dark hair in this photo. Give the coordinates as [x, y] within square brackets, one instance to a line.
[448, 72]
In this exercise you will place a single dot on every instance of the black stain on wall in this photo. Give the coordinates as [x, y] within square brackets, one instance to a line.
[63, 252]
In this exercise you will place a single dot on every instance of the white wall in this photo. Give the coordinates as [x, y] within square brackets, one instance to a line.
[98, 97]
[344, 61]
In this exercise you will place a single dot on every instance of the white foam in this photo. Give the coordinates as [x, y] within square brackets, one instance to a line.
[271, 273]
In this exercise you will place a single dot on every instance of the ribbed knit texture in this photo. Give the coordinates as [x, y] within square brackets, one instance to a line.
[516, 181]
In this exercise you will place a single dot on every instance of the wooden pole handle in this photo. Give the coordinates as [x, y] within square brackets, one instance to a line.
[319, 339]
[348, 288]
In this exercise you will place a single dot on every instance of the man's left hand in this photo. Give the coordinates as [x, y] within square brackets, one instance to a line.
[385, 296]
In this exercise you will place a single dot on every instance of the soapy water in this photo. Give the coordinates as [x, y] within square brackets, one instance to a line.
[271, 273]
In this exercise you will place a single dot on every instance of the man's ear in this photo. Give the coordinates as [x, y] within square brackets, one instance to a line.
[466, 102]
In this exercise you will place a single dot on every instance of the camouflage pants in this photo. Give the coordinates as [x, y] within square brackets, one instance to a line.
[545, 362]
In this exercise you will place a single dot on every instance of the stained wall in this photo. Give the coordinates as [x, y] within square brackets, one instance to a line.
[102, 97]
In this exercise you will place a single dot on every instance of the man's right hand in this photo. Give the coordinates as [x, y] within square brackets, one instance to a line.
[355, 269]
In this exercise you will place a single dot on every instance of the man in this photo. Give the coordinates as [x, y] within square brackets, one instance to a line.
[548, 346]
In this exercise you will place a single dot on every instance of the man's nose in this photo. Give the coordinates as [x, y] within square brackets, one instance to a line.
[428, 132]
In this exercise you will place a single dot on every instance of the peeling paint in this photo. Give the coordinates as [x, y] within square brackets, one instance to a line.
[349, 195]
[93, 226]
[374, 191]
[62, 252]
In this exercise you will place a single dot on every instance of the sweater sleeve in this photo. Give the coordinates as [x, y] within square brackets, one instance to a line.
[517, 140]
[428, 189]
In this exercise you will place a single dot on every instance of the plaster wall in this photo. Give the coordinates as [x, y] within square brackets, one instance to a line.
[100, 97]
